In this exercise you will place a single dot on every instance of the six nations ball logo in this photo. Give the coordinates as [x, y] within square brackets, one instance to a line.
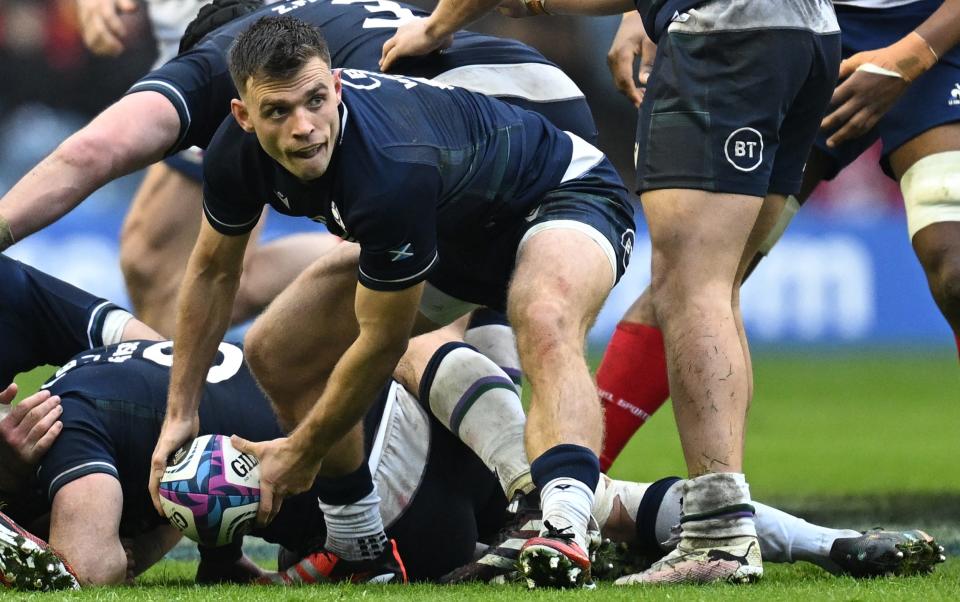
[744, 149]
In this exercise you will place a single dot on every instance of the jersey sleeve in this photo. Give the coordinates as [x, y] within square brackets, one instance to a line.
[81, 449]
[228, 204]
[44, 320]
[198, 85]
[396, 227]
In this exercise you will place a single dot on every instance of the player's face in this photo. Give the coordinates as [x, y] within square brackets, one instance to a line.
[296, 120]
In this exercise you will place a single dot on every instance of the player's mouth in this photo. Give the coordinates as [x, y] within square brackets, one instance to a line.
[308, 152]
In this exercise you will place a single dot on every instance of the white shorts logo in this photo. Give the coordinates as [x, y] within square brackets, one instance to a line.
[744, 149]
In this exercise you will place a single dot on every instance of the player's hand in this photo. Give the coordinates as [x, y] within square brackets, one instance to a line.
[631, 42]
[516, 9]
[28, 431]
[411, 39]
[871, 83]
[285, 470]
[102, 25]
[174, 434]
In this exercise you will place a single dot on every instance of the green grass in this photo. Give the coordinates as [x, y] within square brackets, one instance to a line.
[854, 439]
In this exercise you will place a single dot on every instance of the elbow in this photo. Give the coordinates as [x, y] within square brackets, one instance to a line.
[88, 154]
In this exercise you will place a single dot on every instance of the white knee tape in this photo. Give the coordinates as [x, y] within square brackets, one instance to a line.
[931, 191]
[789, 210]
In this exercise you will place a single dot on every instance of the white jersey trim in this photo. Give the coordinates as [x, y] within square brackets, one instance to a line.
[93, 317]
[69, 471]
[585, 157]
[537, 82]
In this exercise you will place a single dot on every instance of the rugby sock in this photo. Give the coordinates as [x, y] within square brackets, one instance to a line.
[787, 538]
[351, 511]
[490, 333]
[567, 476]
[632, 381]
[716, 510]
[475, 400]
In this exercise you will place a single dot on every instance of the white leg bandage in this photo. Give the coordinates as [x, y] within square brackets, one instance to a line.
[497, 342]
[473, 398]
[931, 191]
[786, 216]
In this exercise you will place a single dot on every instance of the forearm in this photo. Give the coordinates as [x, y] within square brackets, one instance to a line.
[203, 316]
[118, 142]
[352, 388]
[452, 15]
[942, 29]
[589, 7]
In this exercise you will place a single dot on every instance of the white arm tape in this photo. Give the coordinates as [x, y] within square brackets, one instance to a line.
[113, 326]
[878, 70]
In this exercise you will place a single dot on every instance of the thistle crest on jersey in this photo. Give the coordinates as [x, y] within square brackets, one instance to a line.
[212, 491]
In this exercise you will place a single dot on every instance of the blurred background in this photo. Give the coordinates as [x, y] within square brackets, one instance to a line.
[844, 275]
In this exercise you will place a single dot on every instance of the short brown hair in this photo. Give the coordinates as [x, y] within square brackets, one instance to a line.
[275, 47]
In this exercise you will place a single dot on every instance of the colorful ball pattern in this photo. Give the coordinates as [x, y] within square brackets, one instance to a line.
[211, 493]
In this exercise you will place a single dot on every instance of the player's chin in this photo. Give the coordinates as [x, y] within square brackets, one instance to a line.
[309, 167]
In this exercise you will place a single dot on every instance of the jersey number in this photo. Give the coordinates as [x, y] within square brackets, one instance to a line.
[400, 14]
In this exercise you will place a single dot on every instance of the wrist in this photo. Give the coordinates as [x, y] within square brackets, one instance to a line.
[301, 443]
[435, 30]
[536, 7]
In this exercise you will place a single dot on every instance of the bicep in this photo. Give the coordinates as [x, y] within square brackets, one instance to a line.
[85, 528]
[136, 130]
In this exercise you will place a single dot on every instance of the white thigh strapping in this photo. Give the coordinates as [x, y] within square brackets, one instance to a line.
[398, 458]
[931, 191]
[441, 308]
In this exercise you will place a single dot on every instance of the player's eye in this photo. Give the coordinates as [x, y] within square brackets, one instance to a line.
[276, 112]
[316, 100]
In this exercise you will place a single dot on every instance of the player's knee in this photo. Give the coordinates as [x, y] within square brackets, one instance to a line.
[541, 326]
[948, 281]
[107, 567]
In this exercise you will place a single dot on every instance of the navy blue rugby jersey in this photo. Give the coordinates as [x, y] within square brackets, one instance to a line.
[417, 166]
[114, 400]
[43, 320]
[198, 82]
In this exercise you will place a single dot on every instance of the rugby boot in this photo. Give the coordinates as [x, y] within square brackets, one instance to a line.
[736, 562]
[498, 563]
[555, 559]
[878, 552]
[324, 566]
[29, 563]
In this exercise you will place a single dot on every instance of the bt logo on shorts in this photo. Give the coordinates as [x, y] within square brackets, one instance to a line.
[744, 149]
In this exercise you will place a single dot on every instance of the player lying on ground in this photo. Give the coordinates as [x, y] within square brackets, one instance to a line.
[434, 486]
[182, 103]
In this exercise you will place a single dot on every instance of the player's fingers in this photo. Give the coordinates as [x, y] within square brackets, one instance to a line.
[8, 394]
[245, 447]
[158, 464]
[27, 404]
[46, 441]
[848, 66]
[854, 127]
[39, 412]
[387, 47]
[839, 116]
[277, 503]
[265, 508]
[44, 424]
[389, 57]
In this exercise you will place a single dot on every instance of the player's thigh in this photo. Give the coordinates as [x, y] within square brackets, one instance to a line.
[85, 528]
[309, 325]
[698, 237]
[570, 257]
[164, 218]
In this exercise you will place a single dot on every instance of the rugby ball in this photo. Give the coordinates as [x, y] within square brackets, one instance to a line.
[211, 491]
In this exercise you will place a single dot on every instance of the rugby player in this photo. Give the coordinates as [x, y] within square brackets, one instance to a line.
[419, 438]
[456, 200]
[753, 80]
[181, 104]
[914, 113]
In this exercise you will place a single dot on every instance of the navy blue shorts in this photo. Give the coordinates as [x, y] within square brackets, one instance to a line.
[188, 162]
[734, 111]
[595, 200]
[932, 100]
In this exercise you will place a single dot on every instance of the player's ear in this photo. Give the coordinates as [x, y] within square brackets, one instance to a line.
[240, 113]
[337, 84]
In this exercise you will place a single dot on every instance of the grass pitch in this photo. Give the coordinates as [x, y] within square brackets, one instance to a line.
[854, 440]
